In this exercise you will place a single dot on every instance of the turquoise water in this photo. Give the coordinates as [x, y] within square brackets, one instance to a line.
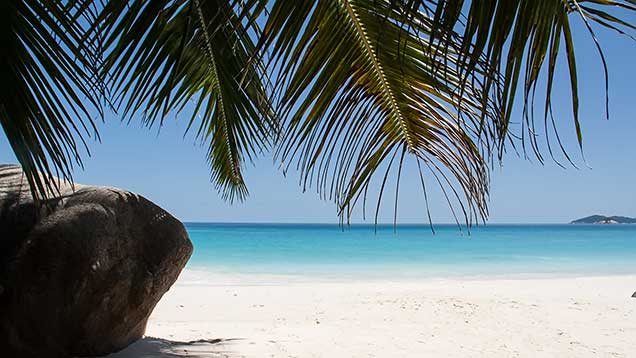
[413, 251]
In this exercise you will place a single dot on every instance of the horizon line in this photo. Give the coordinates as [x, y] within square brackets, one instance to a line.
[380, 223]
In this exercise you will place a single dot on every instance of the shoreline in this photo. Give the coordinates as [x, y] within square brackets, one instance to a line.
[590, 316]
[212, 277]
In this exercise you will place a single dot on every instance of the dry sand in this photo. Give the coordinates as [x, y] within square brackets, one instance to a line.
[283, 317]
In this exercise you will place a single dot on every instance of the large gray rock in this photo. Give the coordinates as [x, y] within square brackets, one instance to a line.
[80, 276]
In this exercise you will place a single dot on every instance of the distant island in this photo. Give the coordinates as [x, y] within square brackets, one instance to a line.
[602, 219]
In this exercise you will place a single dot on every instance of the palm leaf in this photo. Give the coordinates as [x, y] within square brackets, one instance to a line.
[359, 86]
[170, 56]
[51, 90]
[525, 38]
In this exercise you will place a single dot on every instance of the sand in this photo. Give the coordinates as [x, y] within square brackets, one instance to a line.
[295, 317]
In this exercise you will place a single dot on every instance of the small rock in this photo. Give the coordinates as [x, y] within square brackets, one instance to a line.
[634, 295]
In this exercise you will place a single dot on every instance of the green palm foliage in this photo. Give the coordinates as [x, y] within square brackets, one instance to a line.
[362, 85]
[167, 55]
[525, 37]
[50, 91]
[343, 90]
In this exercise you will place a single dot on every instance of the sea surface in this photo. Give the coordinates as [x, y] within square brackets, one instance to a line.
[412, 251]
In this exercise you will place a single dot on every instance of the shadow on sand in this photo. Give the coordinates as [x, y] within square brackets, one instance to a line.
[150, 347]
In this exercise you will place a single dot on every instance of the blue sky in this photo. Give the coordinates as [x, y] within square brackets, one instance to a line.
[171, 170]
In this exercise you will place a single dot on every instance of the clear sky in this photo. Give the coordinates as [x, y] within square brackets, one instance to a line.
[171, 170]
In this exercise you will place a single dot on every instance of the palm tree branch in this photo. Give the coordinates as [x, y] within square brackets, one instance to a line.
[55, 91]
[195, 56]
[386, 89]
[356, 85]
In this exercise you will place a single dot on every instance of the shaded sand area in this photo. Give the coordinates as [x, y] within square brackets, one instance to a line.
[278, 317]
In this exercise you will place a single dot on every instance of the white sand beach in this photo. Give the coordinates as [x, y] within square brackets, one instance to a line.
[278, 317]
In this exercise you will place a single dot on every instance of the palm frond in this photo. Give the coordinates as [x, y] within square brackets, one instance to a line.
[525, 38]
[51, 90]
[168, 56]
[360, 84]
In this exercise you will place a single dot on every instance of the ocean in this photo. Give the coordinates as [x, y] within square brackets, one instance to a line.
[412, 251]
